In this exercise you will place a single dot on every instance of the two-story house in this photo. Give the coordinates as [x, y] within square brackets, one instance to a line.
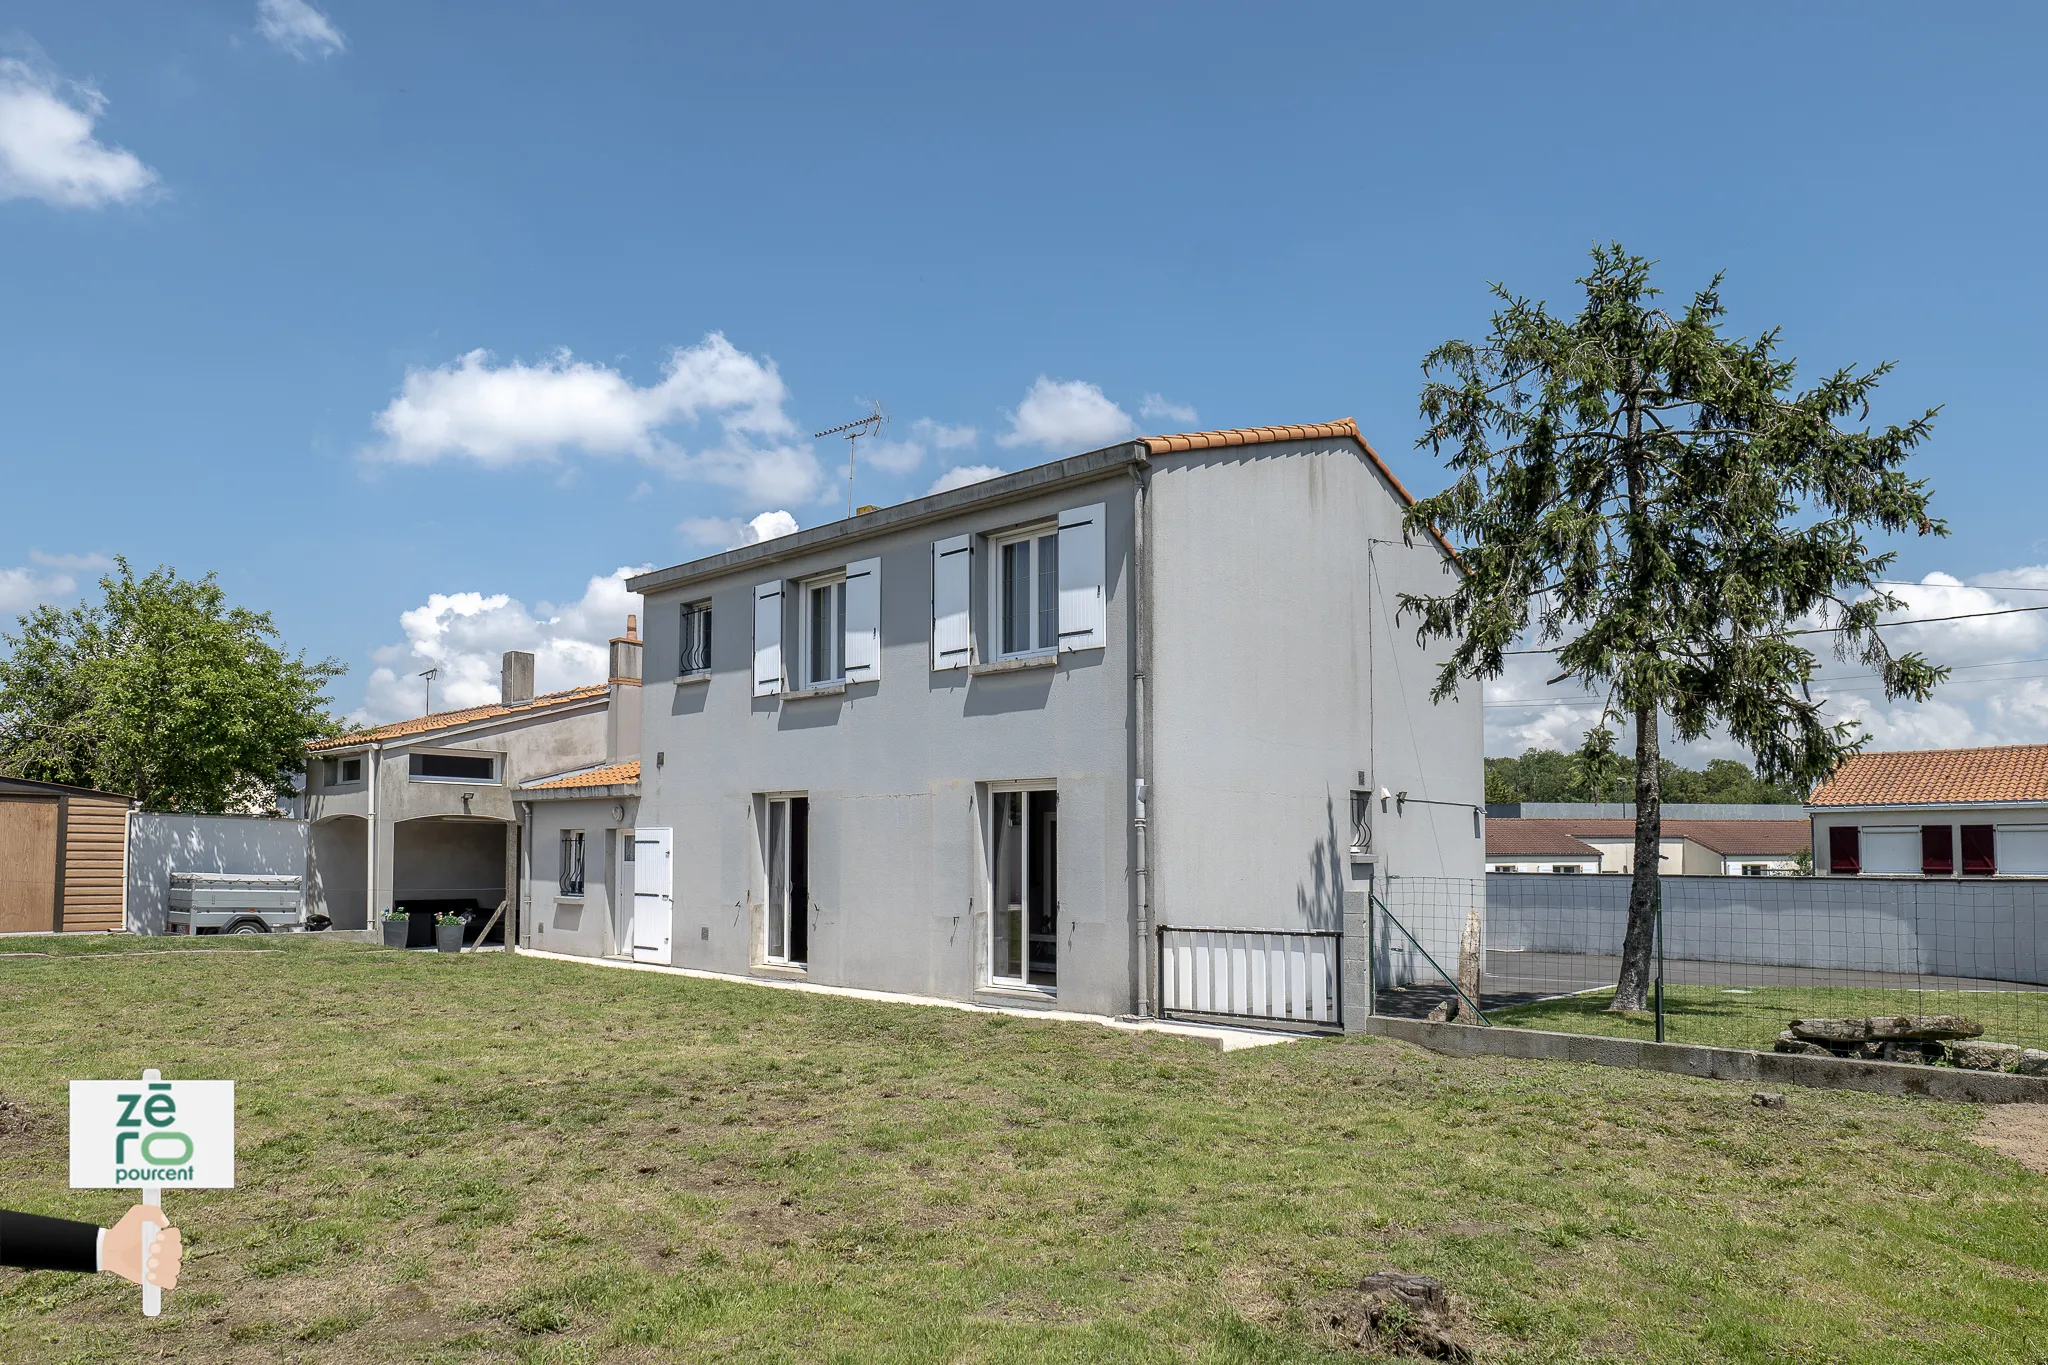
[1001, 743]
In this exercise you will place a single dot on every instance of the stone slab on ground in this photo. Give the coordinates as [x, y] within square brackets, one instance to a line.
[1896, 1028]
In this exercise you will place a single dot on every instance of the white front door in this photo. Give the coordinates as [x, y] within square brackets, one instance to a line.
[653, 894]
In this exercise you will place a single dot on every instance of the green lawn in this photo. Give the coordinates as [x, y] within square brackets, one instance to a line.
[489, 1158]
[1715, 1016]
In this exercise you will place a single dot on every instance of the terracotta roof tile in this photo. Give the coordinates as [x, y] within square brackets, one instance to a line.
[2014, 772]
[613, 775]
[1319, 431]
[443, 720]
[1511, 838]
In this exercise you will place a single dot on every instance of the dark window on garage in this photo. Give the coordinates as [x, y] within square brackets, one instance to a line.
[456, 767]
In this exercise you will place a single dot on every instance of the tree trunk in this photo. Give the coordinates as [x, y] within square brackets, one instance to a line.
[1646, 893]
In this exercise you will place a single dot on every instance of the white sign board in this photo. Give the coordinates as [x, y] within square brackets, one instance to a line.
[153, 1134]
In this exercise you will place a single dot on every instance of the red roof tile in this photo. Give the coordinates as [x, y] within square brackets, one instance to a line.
[2013, 772]
[613, 775]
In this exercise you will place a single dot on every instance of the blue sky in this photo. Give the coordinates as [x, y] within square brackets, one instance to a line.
[388, 311]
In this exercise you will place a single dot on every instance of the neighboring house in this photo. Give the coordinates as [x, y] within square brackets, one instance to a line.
[1743, 846]
[63, 858]
[987, 744]
[1935, 813]
[582, 851]
[421, 813]
[1537, 846]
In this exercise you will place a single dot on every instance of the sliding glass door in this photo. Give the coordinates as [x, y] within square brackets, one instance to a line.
[1024, 925]
[786, 850]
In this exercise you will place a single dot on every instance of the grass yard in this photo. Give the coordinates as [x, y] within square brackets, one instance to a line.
[489, 1158]
[1715, 1016]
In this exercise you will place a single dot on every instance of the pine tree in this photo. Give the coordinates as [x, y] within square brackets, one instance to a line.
[1665, 510]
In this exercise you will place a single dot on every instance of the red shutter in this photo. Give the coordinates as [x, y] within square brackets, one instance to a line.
[1979, 856]
[1844, 849]
[1937, 850]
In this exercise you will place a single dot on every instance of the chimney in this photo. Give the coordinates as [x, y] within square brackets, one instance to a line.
[622, 696]
[515, 678]
[626, 654]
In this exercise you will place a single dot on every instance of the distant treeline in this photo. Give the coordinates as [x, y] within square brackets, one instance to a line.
[1547, 775]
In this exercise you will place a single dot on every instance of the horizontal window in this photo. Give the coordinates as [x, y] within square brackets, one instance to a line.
[454, 767]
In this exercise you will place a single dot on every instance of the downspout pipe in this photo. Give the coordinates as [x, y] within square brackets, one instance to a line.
[1141, 720]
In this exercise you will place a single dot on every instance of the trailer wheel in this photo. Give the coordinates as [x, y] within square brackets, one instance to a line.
[248, 926]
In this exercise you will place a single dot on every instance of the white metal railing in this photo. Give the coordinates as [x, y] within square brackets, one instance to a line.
[1282, 975]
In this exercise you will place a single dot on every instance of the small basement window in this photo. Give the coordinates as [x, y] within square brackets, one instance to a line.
[453, 767]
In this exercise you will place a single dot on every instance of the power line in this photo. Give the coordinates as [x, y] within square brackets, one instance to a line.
[1830, 630]
[1827, 684]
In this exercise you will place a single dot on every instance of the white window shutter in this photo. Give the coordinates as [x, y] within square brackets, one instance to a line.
[864, 621]
[952, 577]
[768, 639]
[1084, 576]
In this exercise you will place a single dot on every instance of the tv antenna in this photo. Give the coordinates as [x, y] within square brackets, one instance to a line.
[430, 675]
[870, 425]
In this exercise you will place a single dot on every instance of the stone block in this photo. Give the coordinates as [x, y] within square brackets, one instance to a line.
[1976, 1056]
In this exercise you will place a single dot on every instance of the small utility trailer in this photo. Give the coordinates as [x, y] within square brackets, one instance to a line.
[235, 903]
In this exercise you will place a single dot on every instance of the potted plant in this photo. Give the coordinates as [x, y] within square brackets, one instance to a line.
[397, 925]
[448, 933]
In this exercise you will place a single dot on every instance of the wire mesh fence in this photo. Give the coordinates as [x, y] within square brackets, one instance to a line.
[1740, 959]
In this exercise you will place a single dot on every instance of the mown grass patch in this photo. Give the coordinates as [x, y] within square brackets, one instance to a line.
[490, 1158]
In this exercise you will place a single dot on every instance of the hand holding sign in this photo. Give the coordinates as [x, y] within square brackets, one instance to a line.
[150, 1134]
[122, 1254]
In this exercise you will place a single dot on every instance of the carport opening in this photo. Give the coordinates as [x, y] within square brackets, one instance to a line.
[448, 865]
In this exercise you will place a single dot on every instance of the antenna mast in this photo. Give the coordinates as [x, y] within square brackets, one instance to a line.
[870, 425]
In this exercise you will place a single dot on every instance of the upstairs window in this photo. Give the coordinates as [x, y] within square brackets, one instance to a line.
[351, 770]
[1027, 593]
[446, 767]
[696, 640]
[824, 631]
[571, 880]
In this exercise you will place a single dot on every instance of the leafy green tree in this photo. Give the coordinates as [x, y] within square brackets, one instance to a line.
[1597, 768]
[163, 691]
[1664, 508]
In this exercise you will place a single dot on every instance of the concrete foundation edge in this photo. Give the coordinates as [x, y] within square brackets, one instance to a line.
[1718, 1063]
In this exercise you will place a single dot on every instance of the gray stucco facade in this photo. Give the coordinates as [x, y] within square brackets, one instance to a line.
[1202, 725]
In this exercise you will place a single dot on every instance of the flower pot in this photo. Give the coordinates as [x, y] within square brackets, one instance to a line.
[396, 932]
[448, 937]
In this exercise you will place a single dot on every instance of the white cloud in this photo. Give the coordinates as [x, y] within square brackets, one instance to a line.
[730, 533]
[465, 636]
[1997, 692]
[298, 28]
[942, 437]
[502, 415]
[1067, 415]
[1157, 408]
[960, 476]
[53, 579]
[47, 147]
[900, 457]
